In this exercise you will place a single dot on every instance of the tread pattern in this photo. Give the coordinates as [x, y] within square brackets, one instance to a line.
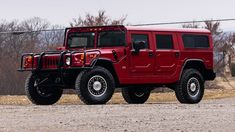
[77, 86]
[129, 95]
[181, 90]
[27, 89]
[35, 98]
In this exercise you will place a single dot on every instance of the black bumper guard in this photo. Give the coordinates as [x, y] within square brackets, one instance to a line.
[61, 61]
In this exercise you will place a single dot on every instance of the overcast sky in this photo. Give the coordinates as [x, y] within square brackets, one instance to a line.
[137, 11]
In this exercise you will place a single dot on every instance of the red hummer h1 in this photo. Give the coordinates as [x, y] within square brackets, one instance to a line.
[96, 60]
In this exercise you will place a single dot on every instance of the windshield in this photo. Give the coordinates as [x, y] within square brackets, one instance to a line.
[111, 38]
[79, 40]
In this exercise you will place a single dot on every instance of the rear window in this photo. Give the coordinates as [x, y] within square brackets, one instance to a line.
[195, 41]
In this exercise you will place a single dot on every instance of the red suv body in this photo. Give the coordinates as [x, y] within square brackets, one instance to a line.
[96, 60]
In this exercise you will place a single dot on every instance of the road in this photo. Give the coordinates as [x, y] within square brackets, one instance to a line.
[212, 115]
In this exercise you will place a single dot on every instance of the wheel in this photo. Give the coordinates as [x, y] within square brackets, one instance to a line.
[135, 95]
[190, 88]
[41, 95]
[95, 86]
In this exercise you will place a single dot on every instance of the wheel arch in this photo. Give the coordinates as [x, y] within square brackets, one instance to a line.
[197, 64]
[108, 64]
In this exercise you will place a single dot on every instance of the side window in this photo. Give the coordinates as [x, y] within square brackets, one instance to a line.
[195, 41]
[164, 42]
[140, 37]
[111, 38]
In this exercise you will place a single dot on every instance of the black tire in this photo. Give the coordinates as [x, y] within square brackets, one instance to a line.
[135, 95]
[190, 88]
[95, 86]
[41, 95]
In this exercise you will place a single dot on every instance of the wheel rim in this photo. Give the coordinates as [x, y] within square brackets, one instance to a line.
[97, 85]
[193, 86]
[41, 90]
[139, 94]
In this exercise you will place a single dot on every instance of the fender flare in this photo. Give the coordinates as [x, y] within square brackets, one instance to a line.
[185, 62]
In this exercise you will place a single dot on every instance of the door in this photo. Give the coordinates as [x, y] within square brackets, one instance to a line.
[142, 63]
[167, 54]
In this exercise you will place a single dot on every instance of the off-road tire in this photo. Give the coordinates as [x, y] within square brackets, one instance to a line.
[130, 95]
[183, 91]
[83, 86]
[34, 96]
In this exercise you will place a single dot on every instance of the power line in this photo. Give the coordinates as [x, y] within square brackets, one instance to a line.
[144, 24]
[183, 22]
[22, 32]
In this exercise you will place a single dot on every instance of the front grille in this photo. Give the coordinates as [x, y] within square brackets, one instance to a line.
[50, 61]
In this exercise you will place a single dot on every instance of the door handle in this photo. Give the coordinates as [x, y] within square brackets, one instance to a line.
[177, 54]
[150, 54]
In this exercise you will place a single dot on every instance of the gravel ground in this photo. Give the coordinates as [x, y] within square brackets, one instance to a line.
[212, 115]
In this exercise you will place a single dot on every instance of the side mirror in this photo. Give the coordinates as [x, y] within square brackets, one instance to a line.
[137, 45]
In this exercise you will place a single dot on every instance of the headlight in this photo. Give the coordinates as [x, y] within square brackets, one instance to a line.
[68, 61]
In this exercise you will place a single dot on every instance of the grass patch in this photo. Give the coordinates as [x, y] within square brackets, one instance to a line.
[118, 99]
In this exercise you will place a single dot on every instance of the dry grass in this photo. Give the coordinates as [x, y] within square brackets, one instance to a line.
[117, 98]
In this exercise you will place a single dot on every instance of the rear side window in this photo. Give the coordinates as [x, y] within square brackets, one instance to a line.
[164, 42]
[195, 41]
[140, 37]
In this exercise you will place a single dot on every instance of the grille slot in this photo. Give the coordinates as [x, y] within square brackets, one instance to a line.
[50, 61]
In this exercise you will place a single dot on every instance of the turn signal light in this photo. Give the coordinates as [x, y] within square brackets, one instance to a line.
[82, 57]
[28, 61]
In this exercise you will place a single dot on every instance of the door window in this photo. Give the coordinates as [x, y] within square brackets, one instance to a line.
[164, 42]
[139, 38]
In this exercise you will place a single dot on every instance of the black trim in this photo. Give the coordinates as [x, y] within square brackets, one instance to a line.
[182, 69]
[209, 74]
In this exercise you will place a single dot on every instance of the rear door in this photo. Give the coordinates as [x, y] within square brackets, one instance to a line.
[143, 62]
[167, 54]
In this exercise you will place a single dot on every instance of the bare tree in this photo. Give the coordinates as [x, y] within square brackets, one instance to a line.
[13, 45]
[100, 20]
[191, 25]
[51, 39]
[214, 27]
[34, 24]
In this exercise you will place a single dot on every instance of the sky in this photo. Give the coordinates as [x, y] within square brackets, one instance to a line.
[138, 11]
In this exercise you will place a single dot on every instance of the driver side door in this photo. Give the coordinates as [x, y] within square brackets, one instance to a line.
[142, 63]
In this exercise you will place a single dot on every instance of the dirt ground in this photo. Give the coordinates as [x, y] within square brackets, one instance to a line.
[209, 115]
[216, 112]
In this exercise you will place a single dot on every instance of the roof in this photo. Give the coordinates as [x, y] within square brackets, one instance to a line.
[154, 28]
[149, 28]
